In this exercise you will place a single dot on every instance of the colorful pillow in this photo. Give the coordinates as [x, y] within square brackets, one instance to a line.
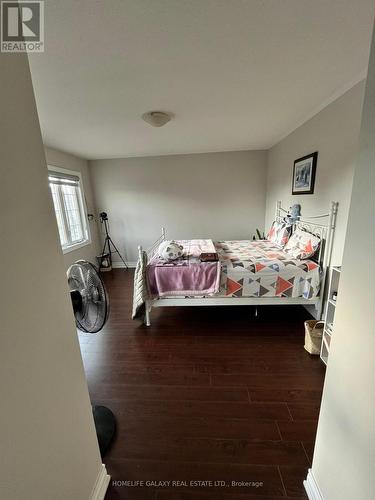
[279, 233]
[302, 244]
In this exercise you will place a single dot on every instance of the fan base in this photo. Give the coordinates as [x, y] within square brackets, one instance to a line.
[105, 424]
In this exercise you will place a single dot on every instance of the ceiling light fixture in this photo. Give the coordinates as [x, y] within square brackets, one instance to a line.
[156, 118]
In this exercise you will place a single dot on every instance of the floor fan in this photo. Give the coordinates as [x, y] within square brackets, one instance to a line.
[91, 310]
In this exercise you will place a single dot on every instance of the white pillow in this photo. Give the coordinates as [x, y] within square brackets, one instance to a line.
[170, 250]
[302, 244]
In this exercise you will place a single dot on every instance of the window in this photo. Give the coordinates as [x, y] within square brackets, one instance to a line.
[71, 217]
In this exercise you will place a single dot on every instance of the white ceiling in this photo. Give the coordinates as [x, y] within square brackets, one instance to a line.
[237, 74]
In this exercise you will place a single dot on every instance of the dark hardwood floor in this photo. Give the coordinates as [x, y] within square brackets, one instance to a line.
[205, 394]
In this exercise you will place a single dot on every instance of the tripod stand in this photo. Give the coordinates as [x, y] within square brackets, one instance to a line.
[108, 240]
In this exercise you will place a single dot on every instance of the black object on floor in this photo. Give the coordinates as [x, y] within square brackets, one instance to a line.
[105, 424]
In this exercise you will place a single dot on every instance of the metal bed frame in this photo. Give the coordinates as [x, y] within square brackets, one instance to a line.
[325, 231]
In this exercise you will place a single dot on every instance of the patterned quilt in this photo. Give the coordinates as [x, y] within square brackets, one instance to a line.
[261, 269]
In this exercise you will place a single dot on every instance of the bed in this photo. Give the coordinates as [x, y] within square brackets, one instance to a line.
[247, 273]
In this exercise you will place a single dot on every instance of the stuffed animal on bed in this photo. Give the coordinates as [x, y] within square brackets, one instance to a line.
[170, 250]
[293, 215]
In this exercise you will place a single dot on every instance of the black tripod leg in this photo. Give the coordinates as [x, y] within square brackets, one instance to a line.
[109, 249]
[110, 242]
[105, 242]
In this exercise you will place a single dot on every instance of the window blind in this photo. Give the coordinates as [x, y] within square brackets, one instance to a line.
[62, 178]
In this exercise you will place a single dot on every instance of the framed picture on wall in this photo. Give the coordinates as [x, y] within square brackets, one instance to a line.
[304, 174]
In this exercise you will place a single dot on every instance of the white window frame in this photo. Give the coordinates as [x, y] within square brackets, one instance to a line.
[82, 206]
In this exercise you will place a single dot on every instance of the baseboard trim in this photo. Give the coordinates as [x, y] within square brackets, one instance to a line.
[101, 484]
[120, 265]
[311, 487]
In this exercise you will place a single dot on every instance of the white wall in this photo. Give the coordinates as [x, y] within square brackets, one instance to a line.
[334, 134]
[61, 159]
[344, 455]
[212, 195]
[48, 443]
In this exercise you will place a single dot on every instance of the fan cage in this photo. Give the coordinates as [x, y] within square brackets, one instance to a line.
[92, 312]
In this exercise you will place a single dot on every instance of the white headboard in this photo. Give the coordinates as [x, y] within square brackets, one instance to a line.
[322, 225]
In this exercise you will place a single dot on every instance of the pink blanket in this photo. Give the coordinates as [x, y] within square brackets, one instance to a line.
[185, 276]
